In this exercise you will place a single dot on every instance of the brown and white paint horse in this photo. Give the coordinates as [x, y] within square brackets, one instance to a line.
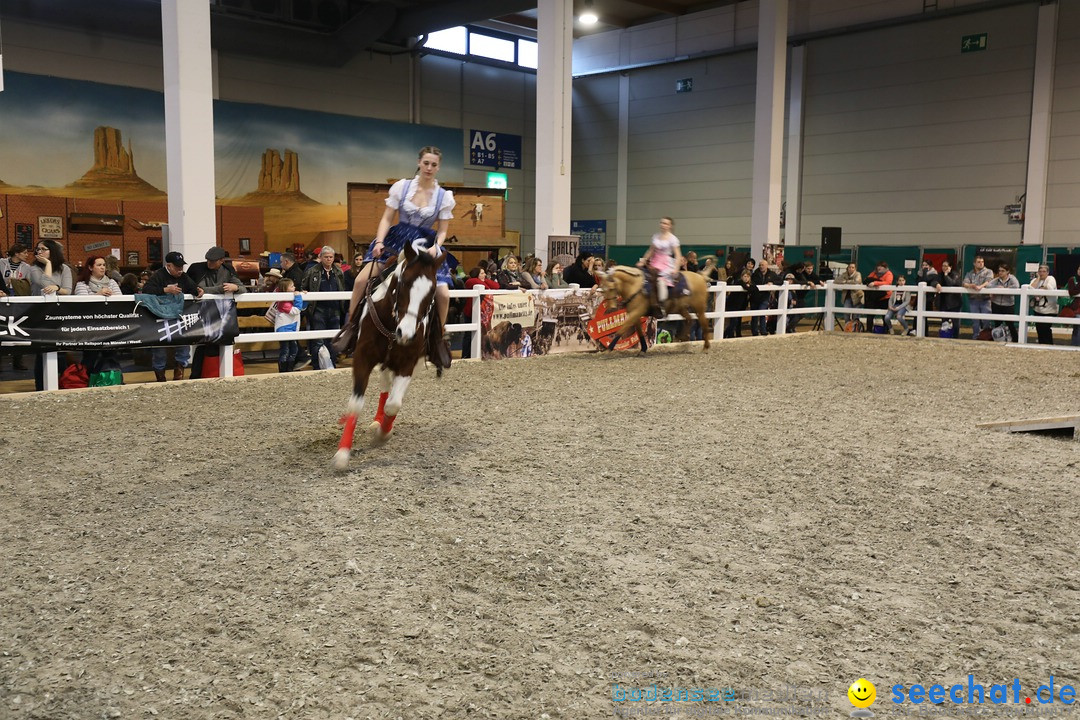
[392, 334]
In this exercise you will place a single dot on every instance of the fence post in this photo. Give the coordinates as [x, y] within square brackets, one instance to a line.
[782, 306]
[50, 365]
[830, 306]
[1023, 332]
[475, 334]
[920, 307]
[721, 309]
[225, 360]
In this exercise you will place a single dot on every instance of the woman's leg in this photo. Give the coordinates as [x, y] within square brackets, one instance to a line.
[442, 302]
[360, 286]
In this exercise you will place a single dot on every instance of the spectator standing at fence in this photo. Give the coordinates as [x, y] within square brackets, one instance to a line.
[49, 274]
[760, 298]
[510, 276]
[554, 275]
[738, 302]
[975, 282]
[532, 276]
[15, 265]
[691, 262]
[323, 314]
[271, 280]
[112, 268]
[949, 302]
[287, 319]
[93, 279]
[129, 284]
[851, 298]
[1073, 288]
[580, 272]
[898, 307]
[171, 280]
[878, 299]
[214, 276]
[478, 277]
[709, 271]
[1042, 305]
[1004, 304]
[291, 269]
[929, 275]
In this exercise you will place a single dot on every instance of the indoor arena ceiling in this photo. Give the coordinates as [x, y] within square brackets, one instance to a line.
[330, 32]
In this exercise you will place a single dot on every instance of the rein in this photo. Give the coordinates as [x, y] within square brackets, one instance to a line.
[375, 313]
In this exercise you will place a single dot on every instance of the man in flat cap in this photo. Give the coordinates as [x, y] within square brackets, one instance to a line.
[214, 276]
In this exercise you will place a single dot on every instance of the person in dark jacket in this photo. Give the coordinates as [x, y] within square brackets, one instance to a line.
[324, 314]
[215, 276]
[295, 272]
[737, 302]
[759, 299]
[171, 280]
[949, 302]
[580, 271]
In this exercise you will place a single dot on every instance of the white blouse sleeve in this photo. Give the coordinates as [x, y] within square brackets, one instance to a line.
[393, 200]
[446, 210]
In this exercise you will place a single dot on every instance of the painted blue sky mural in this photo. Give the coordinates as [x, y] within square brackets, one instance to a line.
[48, 128]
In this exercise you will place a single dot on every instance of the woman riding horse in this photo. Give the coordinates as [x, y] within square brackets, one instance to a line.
[628, 284]
[394, 326]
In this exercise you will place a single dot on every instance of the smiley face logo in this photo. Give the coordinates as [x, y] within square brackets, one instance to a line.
[862, 693]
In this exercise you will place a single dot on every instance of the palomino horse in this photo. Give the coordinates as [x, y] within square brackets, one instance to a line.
[393, 334]
[628, 283]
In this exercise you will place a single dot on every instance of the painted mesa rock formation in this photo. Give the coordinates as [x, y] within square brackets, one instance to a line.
[113, 172]
[279, 182]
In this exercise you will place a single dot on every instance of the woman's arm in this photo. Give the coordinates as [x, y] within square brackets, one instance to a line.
[385, 223]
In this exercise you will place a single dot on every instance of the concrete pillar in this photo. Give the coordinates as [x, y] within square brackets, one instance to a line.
[554, 28]
[768, 125]
[793, 191]
[1042, 100]
[624, 162]
[189, 126]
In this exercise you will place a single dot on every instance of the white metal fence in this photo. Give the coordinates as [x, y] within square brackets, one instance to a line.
[719, 315]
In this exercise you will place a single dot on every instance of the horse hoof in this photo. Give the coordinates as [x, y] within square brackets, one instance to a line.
[341, 460]
[377, 435]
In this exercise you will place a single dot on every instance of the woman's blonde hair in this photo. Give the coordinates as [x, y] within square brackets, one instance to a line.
[429, 150]
[507, 259]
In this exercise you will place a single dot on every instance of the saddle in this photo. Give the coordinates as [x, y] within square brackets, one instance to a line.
[345, 341]
[649, 288]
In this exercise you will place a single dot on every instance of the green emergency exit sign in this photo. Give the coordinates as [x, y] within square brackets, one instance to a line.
[973, 43]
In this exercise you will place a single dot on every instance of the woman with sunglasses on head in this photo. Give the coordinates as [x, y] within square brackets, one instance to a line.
[49, 274]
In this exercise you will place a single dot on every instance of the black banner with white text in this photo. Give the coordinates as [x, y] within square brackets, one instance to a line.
[115, 324]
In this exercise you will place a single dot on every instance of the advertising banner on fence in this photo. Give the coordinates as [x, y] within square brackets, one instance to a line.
[116, 324]
[559, 322]
[605, 323]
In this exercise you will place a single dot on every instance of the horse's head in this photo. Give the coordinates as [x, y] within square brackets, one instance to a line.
[620, 282]
[415, 292]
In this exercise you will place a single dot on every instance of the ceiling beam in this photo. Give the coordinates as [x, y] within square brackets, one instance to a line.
[519, 20]
[667, 8]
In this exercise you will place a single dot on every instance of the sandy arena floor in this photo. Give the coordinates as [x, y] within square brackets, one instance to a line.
[775, 513]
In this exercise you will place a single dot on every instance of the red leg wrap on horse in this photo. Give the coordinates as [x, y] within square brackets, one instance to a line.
[381, 412]
[347, 433]
[387, 423]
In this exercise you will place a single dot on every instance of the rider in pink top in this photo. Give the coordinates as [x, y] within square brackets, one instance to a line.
[664, 257]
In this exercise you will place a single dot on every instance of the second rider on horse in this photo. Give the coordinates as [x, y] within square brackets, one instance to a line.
[662, 262]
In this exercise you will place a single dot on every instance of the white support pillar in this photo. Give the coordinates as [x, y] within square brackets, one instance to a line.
[554, 30]
[189, 126]
[794, 145]
[624, 153]
[1042, 100]
[768, 125]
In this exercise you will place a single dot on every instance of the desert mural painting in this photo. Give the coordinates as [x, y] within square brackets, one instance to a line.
[96, 148]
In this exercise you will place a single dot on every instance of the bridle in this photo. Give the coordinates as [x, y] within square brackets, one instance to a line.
[386, 333]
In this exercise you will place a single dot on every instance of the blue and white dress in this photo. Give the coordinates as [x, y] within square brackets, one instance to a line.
[416, 225]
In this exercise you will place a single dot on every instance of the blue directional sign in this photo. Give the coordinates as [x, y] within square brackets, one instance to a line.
[492, 149]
